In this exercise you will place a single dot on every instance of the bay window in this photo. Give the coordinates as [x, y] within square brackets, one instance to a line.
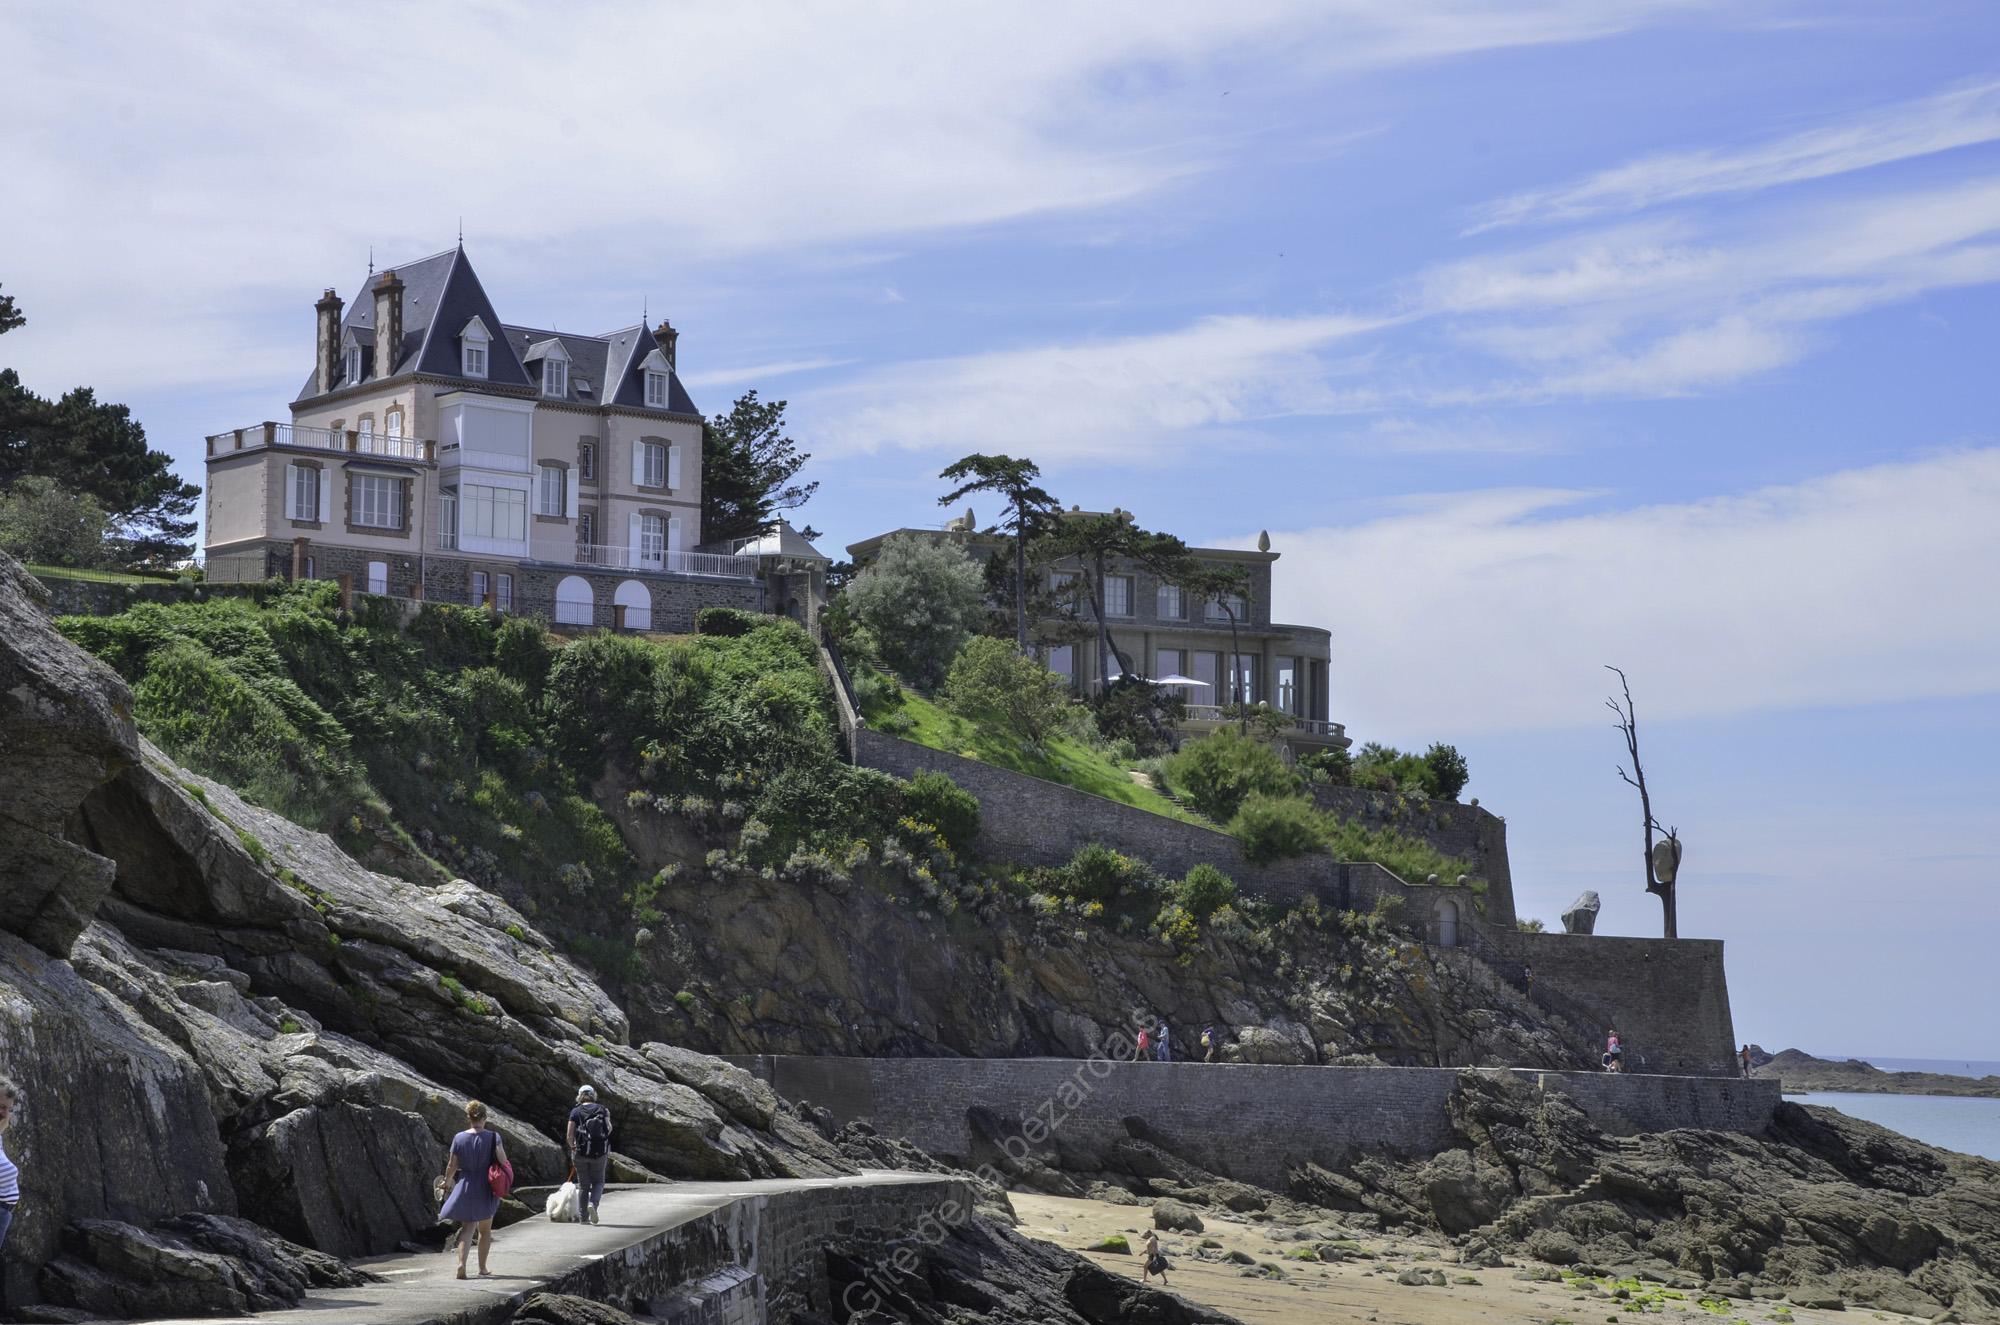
[500, 513]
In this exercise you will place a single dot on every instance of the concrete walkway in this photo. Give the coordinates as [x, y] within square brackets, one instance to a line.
[421, 1288]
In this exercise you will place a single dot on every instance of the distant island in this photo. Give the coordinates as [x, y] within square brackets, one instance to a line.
[1799, 1072]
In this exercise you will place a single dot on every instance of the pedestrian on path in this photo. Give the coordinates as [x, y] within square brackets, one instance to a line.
[1744, 1059]
[1208, 1044]
[10, 1175]
[1614, 1053]
[476, 1153]
[1145, 1042]
[589, 1150]
[1166, 1051]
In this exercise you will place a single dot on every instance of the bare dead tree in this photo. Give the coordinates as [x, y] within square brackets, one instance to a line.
[1662, 870]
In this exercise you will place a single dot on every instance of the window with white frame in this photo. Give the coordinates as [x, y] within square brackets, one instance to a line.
[656, 390]
[393, 423]
[1118, 595]
[353, 364]
[586, 460]
[377, 501]
[378, 577]
[551, 490]
[653, 540]
[503, 593]
[1059, 580]
[500, 513]
[366, 427]
[302, 493]
[555, 377]
[1216, 611]
[472, 349]
[1169, 605]
[479, 584]
[448, 519]
[655, 470]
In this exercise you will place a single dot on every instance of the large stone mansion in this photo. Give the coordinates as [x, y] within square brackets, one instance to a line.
[438, 452]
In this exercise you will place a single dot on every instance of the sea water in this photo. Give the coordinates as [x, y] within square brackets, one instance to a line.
[1966, 1123]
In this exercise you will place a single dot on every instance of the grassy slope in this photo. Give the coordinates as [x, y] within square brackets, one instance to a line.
[1062, 759]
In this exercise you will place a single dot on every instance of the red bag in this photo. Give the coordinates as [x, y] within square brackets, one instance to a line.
[500, 1178]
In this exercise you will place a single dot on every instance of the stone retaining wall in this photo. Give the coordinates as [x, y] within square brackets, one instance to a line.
[1245, 1121]
[68, 597]
[1471, 833]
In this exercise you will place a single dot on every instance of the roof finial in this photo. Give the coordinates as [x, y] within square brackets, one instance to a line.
[461, 232]
[645, 311]
[371, 259]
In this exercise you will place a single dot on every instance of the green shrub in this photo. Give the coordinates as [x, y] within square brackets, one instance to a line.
[1139, 714]
[1334, 767]
[1217, 773]
[918, 602]
[991, 681]
[933, 798]
[1445, 771]
[1205, 891]
[521, 651]
[1409, 858]
[895, 724]
[727, 622]
[1096, 873]
[1274, 827]
[875, 693]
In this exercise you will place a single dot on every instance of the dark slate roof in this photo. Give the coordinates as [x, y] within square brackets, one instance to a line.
[441, 293]
[586, 359]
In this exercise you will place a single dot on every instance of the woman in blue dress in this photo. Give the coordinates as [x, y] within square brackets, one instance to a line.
[472, 1202]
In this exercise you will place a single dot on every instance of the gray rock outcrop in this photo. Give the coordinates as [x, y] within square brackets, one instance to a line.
[1581, 918]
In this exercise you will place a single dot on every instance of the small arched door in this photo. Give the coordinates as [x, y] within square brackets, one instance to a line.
[575, 604]
[637, 601]
[1447, 923]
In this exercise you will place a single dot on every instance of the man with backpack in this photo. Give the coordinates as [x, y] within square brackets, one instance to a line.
[589, 1150]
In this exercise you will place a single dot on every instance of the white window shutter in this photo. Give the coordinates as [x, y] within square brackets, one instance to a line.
[292, 511]
[674, 466]
[674, 530]
[569, 502]
[638, 465]
[632, 526]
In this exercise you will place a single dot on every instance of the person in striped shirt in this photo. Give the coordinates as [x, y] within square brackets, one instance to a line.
[10, 1176]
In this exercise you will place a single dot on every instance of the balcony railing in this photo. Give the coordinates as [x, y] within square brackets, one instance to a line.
[716, 565]
[260, 435]
[1216, 713]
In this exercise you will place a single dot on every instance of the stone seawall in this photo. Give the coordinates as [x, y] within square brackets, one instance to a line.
[1252, 1123]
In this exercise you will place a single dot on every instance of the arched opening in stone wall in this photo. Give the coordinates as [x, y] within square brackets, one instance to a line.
[637, 601]
[575, 604]
[1447, 923]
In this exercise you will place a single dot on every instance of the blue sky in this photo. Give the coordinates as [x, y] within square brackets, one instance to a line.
[1538, 336]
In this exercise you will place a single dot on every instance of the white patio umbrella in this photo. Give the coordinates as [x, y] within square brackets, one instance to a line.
[1178, 680]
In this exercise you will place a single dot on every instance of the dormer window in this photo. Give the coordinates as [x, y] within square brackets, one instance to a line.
[555, 377]
[472, 343]
[656, 390]
[353, 364]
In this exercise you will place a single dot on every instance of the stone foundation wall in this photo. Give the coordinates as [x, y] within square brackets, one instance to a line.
[1249, 1122]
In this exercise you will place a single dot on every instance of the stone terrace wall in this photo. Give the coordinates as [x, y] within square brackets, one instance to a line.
[1470, 832]
[1667, 998]
[1244, 1121]
[1034, 822]
[69, 597]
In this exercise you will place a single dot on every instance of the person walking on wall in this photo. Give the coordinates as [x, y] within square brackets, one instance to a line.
[1744, 1059]
[476, 1153]
[1145, 1042]
[1208, 1044]
[1614, 1053]
[1156, 1260]
[589, 1149]
[1166, 1052]
[10, 1175]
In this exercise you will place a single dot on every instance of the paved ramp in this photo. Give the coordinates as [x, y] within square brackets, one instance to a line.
[640, 1225]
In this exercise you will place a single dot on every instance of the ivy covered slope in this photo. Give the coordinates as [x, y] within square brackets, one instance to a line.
[678, 815]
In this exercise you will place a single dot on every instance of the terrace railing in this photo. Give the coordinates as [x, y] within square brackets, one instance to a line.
[260, 435]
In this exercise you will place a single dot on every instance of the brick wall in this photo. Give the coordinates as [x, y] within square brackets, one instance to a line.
[1245, 1121]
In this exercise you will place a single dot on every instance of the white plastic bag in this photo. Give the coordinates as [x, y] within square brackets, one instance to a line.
[565, 1205]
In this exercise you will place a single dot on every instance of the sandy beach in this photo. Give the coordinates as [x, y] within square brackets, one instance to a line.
[1286, 1283]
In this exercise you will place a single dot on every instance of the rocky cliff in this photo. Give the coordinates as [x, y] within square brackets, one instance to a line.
[1800, 1071]
[218, 1017]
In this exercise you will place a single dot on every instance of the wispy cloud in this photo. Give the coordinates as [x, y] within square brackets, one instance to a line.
[760, 372]
[1853, 588]
[1958, 118]
[1122, 398]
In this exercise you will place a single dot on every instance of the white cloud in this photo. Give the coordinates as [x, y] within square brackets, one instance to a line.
[165, 162]
[1128, 398]
[1496, 610]
[760, 372]
[1958, 118]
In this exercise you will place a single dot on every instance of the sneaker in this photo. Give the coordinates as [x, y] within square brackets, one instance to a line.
[593, 1214]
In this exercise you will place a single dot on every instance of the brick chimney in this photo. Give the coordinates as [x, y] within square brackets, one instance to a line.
[667, 339]
[388, 323]
[326, 360]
